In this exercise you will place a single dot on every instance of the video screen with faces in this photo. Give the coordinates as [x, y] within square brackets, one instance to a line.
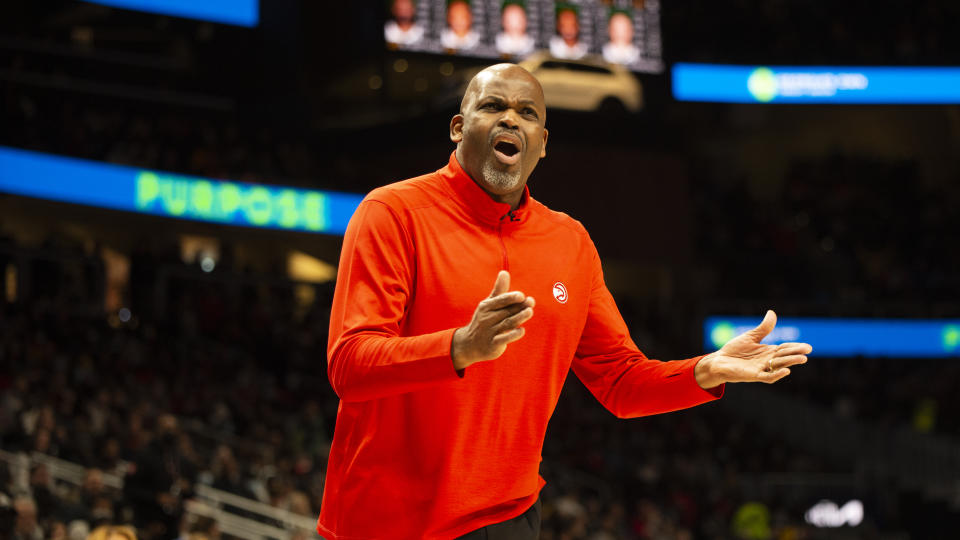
[625, 32]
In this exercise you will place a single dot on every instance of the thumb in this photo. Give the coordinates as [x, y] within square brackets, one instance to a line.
[766, 326]
[502, 284]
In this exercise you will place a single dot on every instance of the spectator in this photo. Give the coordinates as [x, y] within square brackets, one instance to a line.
[227, 474]
[161, 476]
[113, 532]
[97, 504]
[204, 528]
[25, 525]
[46, 502]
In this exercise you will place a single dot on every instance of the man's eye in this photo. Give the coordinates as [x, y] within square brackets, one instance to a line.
[531, 112]
[492, 106]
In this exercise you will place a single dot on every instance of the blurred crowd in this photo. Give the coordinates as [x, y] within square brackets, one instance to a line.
[162, 407]
[845, 235]
[227, 388]
[919, 394]
[794, 32]
[682, 475]
[199, 142]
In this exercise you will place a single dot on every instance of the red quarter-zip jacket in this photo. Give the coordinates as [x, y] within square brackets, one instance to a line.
[420, 451]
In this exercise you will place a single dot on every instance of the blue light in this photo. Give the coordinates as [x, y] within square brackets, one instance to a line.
[102, 185]
[895, 338]
[236, 12]
[816, 84]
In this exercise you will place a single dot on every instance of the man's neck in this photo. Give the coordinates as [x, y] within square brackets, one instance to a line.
[513, 198]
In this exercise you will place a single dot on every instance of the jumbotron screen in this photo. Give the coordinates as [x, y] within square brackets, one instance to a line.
[625, 32]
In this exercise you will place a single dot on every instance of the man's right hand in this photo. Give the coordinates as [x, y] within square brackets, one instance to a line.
[496, 323]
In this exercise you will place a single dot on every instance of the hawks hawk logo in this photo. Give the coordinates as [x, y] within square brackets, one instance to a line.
[560, 292]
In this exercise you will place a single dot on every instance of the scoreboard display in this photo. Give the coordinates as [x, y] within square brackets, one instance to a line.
[625, 32]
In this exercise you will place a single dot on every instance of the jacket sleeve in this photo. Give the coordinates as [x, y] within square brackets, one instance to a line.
[621, 377]
[367, 356]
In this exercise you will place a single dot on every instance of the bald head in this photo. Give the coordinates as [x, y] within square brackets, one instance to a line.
[496, 73]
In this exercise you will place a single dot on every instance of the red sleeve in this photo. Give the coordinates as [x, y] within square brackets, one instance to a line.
[621, 377]
[368, 358]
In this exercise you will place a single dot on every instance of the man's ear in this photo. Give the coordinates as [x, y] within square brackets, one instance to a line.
[543, 149]
[456, 128]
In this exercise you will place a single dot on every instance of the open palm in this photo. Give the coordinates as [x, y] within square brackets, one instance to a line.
[745, 359]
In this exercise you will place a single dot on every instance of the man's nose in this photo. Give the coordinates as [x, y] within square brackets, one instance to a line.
[509, 120]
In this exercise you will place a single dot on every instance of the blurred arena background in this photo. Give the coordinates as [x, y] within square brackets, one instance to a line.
[170, 373]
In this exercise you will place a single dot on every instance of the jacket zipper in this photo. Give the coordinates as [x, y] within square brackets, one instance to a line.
[503, 245]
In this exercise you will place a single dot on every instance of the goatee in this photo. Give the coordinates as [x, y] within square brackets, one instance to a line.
[504, 180]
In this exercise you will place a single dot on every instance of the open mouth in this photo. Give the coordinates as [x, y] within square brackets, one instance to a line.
[507, 150]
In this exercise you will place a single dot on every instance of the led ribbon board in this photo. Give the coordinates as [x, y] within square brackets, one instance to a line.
[236, 12]
[812, 84]
[102, 185]
[894, 338]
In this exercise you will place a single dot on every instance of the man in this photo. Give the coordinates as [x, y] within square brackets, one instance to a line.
[403, 29]
[459, 34]
[620, 49]
[160, 480]
[514, 40]
[445, 387]
[25, 524]
[566, 43]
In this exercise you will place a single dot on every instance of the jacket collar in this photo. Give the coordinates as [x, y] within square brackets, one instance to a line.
[477, 202]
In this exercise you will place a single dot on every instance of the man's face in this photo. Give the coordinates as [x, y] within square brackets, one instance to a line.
[621, 29]
[500, 132]
[93, 481]
[26, 516]
[403, 10]
[514, 20]
[568, 26]
[459, 18]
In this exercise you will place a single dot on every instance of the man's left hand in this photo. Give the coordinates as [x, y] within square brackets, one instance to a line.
[745, 359]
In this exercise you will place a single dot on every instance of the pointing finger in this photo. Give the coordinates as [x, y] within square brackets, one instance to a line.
[502, 284]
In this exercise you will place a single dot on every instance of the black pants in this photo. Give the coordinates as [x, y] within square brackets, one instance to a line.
[526, 526]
